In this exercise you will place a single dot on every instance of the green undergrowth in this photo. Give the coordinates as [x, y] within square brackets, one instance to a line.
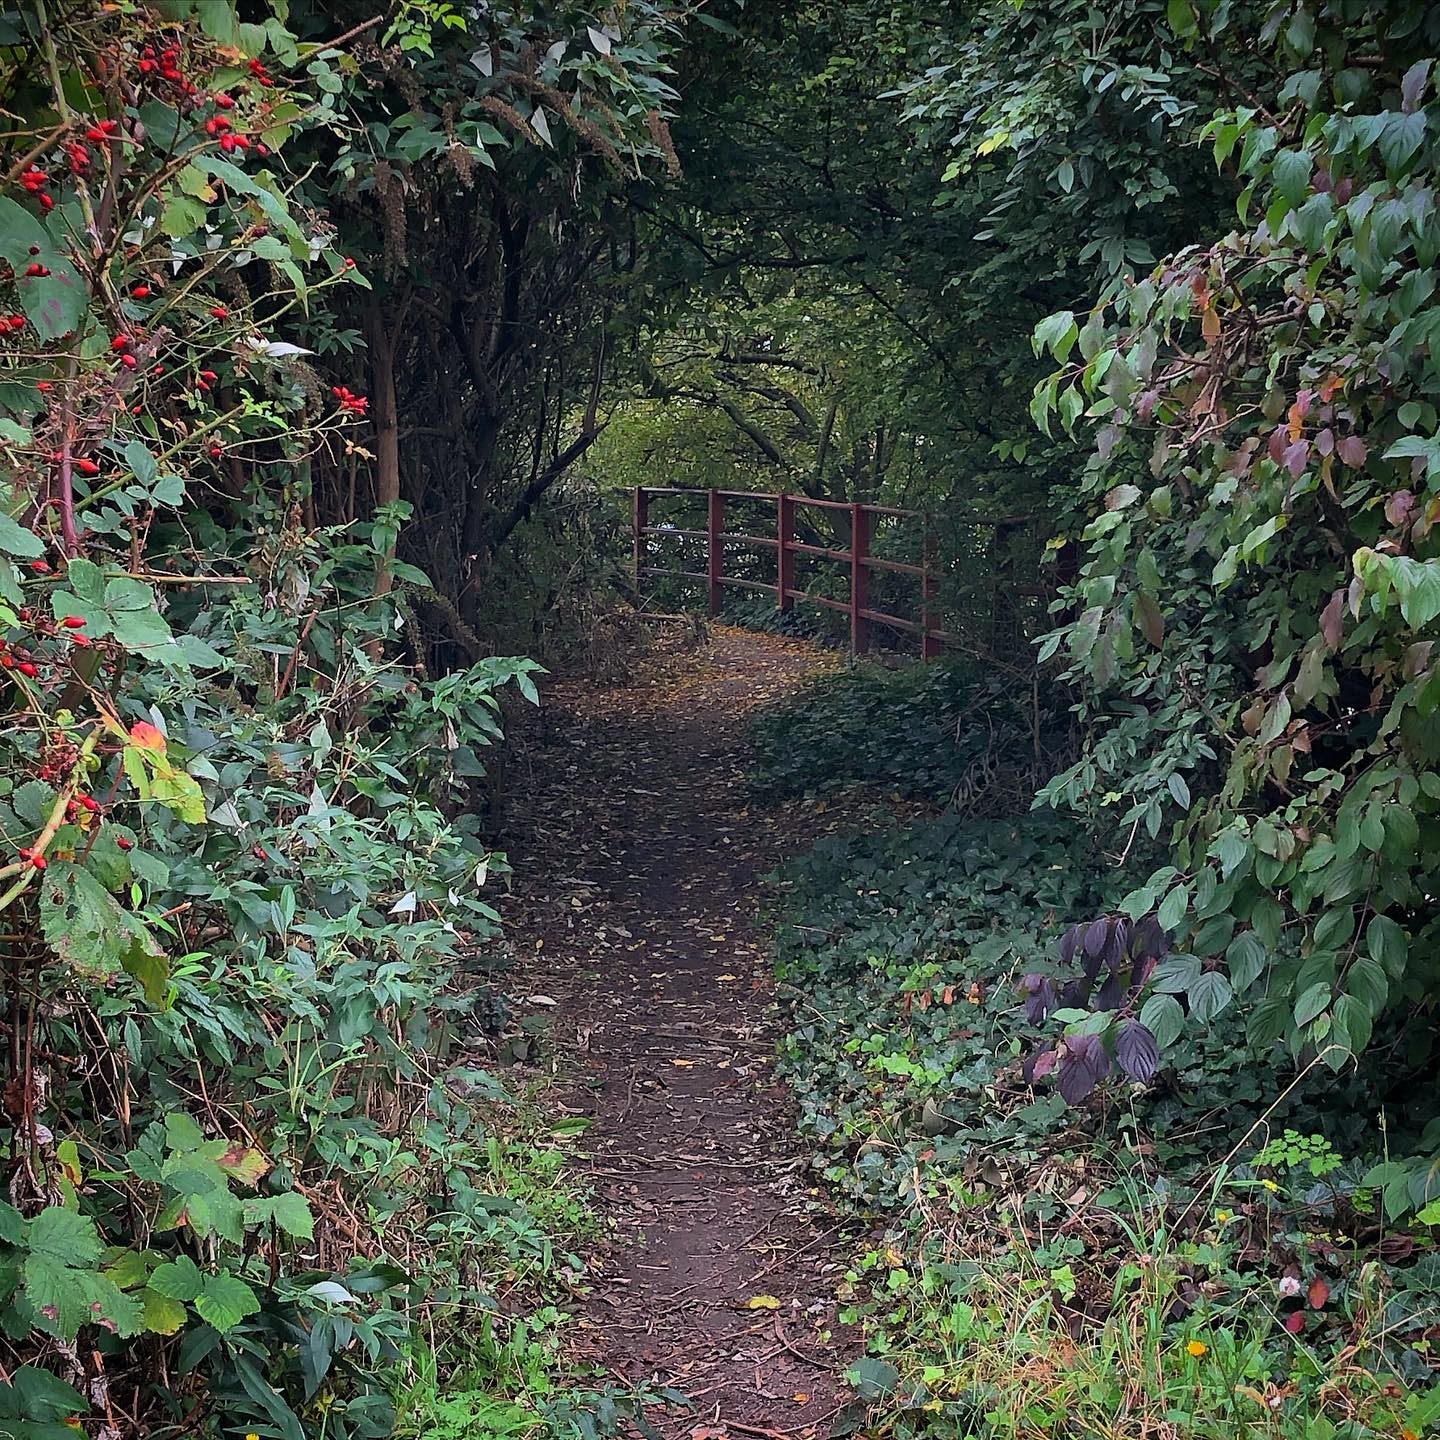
[948, 732]
[1204, 1255]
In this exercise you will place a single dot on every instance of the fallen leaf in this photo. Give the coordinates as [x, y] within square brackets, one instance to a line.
[1318, 1293]
[762, 1302]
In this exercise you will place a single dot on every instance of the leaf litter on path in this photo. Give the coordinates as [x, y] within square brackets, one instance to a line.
[640, 845]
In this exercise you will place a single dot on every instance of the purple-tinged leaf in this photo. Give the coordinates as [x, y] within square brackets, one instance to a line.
[1040, 997]
[1352, 450]
[1068, 941]
[1137, 1051]
[1275, 446]
[1097, 932]
[1412, 85]
[1399, 507]
[1039, 1065]
[1296, 457]
[1332, 620]
[1112, 994]
[1117, 947]
[1325, 441]
[1150, 942]
[1083, 1065]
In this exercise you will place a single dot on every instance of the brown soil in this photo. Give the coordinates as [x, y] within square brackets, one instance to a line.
[641, 847]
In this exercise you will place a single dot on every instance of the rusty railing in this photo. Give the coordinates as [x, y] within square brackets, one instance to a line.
[862, 564]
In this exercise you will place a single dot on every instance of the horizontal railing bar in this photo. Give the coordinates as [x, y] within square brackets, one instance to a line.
[842, 605]
[881, 618]
[675, 574]
[750, 540]
[895, 567]
[748, 584]
[821, 551]
[824, 504]
[675, 530]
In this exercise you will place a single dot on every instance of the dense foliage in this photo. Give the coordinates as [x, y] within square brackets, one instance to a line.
[1255, 612]
[247, 897]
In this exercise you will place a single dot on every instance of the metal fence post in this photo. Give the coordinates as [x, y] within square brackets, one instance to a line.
[715, 571]
[785, 537]
[859, 578]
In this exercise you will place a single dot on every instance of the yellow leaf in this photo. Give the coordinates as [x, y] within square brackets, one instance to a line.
[686, 1064]
[762, 1302]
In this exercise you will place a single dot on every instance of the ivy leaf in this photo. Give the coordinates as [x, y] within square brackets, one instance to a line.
[873, 1379]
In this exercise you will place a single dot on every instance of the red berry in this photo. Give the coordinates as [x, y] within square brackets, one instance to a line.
[216, 452]
[40, 567]
[208, 375]
[47, 202]
[87, 467]
[43, 385]
[28, 667]
[120, 342]
[141, 292]
[129, 361]
[38, 861]
[89, 802]
[225, 102]
[74, 622]
[123, 843]
[219, 312]
[35, 268]
[95, 135]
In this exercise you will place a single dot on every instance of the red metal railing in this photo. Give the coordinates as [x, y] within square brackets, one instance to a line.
[861, 562]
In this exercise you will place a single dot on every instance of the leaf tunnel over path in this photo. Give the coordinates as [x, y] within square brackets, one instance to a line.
[640, 849]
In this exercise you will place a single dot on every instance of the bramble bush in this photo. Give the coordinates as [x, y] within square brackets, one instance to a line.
[246, 1143]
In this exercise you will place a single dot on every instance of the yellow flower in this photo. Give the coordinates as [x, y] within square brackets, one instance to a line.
[252, 1436]
[1224, 1216]
[1271, 1186]
[1198, 1348]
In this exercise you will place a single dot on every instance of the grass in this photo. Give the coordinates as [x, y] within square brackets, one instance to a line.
[991, 1326]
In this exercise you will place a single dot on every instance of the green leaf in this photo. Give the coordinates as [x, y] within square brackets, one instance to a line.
[85, 926]
[164, 1315]
[54, 303]
[1209, 995]
[1313, 1002]
[224, 1301]
[292, 1214]
[16, 540]
[179, 1279]
[1164, 1017]
[1291, 174]
[65, 1236]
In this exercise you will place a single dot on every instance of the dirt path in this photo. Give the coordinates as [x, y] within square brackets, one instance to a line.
[640, 844]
